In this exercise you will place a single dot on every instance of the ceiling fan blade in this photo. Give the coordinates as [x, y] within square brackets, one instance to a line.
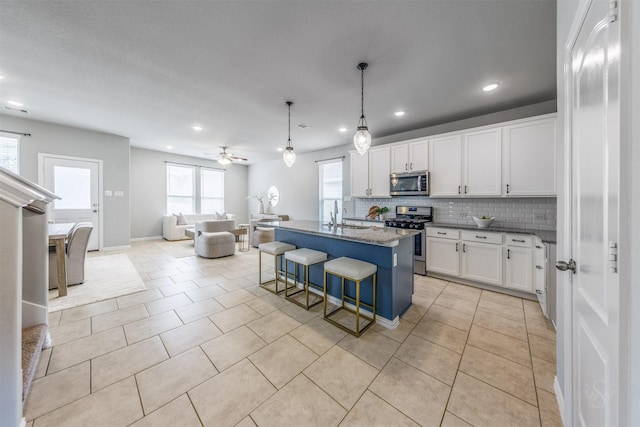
[232, 157]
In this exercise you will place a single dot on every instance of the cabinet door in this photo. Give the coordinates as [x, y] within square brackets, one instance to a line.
[483, 163]
[419, 155]
[399, 158]
[445, 166]
[359, 174]
[529, 162]
[481, 262]
[518, 269]
[379, 170]
[443, 256]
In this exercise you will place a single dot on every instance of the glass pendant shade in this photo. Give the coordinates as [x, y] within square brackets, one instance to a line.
[362, 140]
[224, 161]
[289, 156]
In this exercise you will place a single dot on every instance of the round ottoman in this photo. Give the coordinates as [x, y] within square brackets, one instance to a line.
[215, 245]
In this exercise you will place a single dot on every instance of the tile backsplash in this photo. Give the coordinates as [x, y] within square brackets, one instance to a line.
[519, 213]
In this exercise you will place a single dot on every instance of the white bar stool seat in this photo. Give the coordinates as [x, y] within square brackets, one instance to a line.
[355, 271]
[305, 257]
[277, 249]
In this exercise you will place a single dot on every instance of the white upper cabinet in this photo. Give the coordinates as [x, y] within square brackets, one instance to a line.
[529, 158]
[359, 174]
[410, 156]
[482, 163]
[370, 172]
[445, 166]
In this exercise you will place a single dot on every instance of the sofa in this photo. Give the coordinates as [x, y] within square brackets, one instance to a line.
[263, 234]
[172, 231]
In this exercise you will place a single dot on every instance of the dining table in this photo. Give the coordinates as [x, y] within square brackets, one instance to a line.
[58, 235]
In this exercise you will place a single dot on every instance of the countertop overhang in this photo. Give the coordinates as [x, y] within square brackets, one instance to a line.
[372, 235]
[544, 235]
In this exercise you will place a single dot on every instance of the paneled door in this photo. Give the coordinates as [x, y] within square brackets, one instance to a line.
[77, 182]
[595, 141]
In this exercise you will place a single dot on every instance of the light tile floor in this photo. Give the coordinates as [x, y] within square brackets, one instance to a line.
[204, 345]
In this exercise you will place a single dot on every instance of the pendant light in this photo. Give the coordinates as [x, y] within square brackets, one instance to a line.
[289, 156]
[362, 138]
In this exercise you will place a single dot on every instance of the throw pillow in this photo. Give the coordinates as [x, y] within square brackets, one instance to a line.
[222, 215]
[181, 220]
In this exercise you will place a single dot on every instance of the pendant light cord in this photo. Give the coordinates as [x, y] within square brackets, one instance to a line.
[362, 93]
[289, 140]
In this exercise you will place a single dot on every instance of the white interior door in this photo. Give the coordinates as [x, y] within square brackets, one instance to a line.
[595, 122]
[77, 182]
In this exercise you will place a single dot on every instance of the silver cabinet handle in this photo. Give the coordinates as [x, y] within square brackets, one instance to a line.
[456, 247]
[507, 188]
[508, 253]
[481, 237]
[441, 232]
[464, 247]
[539, 267]
[465, 189]
[516, 240]
[458, 189]
[539, 292]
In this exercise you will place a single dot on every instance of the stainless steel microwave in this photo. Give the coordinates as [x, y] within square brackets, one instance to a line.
[409, 184]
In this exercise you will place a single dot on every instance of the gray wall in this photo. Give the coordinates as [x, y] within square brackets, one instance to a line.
[149, 192]
[113, 150]
[298, 185]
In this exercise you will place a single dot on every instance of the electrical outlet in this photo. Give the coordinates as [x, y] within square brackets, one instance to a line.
[462, 215]
[539, 216]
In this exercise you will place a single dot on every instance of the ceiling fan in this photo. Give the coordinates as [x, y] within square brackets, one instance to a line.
[226, 158]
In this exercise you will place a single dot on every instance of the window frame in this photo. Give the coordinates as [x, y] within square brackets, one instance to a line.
[321, 190]
[5, 135]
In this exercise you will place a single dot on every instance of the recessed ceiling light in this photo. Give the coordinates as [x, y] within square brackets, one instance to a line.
[280, 149]
[399, 113]
[490, 87]
[196, 127]
[342, 129]
[169, 147]
[1, 77]
[15, 103]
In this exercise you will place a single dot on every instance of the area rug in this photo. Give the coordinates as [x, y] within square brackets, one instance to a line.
[177, 248]
[105, 277]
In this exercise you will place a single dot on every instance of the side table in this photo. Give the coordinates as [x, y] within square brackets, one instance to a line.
[244, 242]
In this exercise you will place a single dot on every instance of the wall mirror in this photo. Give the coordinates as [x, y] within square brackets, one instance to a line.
[273, 195]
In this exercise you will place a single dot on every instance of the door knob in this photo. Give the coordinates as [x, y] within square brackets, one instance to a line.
[564, 266]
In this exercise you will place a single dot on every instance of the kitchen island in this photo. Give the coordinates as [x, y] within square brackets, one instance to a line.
[391, 250]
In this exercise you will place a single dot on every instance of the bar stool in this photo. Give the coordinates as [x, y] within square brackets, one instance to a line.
[277, 249]
[305, 257]
[355, 271]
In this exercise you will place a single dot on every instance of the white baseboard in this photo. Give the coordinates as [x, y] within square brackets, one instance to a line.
[140, 239]
[116, 248]
[559, 397]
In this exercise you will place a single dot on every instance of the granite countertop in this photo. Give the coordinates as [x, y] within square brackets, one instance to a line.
[544, 235]
[372, 235]
[364, 220]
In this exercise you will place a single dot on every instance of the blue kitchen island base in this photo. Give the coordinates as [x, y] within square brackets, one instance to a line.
[393, 259]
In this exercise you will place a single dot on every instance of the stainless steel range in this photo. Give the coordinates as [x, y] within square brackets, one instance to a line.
[415, 218]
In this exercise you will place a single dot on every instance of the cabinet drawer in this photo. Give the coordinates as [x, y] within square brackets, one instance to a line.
[519, 240]
[482, 236]
[443, 233]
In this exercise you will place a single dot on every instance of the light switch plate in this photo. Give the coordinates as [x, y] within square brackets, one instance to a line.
[118, 193]
[108, 193]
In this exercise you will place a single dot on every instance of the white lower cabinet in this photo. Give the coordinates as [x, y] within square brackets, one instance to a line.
[505, 260]
[518, 268]
[481, 262]
[443, 256]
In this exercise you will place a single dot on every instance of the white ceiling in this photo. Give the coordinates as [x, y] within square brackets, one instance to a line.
[150, 70]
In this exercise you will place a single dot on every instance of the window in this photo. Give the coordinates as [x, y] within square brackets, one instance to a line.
[180, 189]
[211, 190]
[9, 152]
[194, 189]
[330, 188]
